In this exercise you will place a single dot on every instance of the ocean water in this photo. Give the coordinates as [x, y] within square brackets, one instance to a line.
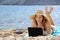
[13, 17]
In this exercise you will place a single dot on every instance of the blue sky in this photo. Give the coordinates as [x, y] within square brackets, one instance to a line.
[18, 16]
[29, 2]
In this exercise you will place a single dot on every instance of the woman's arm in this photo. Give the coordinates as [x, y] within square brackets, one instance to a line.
[48, 27]
[48, 15]
[33, 24]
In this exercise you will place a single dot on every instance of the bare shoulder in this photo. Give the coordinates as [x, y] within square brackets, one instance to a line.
[47, 23]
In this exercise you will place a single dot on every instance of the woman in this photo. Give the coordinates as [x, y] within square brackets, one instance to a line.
[50, 18]
[48, 15]
[44, 22]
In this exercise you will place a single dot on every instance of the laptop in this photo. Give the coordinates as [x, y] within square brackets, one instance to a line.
[35, 31]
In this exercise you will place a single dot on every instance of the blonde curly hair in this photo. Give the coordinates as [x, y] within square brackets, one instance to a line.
[34, 22]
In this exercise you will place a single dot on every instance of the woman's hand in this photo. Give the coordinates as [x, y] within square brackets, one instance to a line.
[41, 27]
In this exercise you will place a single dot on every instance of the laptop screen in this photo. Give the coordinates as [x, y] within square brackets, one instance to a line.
[35, 31]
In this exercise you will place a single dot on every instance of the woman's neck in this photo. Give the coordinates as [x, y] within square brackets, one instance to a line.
[39, 24]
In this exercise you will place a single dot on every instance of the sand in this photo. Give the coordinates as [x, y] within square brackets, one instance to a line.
[11, 35]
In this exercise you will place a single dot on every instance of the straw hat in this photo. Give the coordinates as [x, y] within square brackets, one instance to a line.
[38, 11]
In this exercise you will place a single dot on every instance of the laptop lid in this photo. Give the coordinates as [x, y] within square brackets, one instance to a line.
[35, 31]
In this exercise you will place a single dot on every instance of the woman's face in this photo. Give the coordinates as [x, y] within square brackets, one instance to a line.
[39, 17]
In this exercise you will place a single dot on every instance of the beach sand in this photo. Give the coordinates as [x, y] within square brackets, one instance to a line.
[11, 35]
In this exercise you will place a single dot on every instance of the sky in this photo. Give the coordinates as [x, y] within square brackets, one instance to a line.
[29, 2]
[12, 17]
